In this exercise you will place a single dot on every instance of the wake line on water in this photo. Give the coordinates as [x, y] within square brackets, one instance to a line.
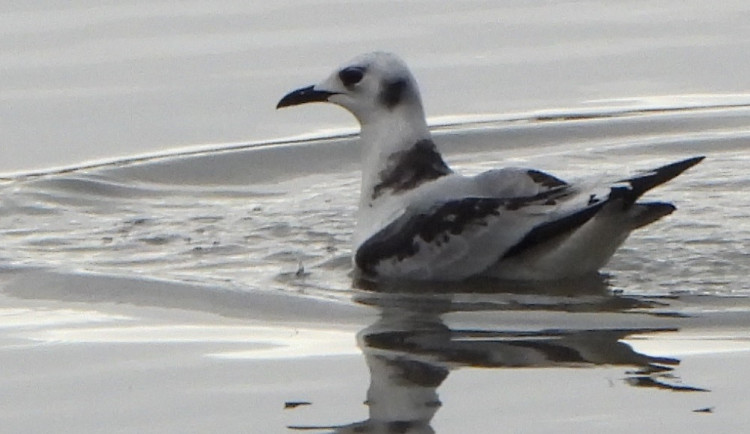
[450, 122]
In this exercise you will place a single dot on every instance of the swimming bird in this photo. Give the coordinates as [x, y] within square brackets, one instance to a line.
[419, 220]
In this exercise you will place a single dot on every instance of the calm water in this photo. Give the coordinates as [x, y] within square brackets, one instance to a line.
[229, 227]
[92, 80]
[280, 216]
[260, 233]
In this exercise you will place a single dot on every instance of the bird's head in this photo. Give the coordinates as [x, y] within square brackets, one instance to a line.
[368, 86]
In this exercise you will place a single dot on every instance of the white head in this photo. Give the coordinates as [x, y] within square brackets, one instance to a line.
[380, 91]
[370, 86]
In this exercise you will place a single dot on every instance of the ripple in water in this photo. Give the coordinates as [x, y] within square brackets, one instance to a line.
[178, 219]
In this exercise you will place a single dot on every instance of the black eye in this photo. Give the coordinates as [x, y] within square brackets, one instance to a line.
[351, 76]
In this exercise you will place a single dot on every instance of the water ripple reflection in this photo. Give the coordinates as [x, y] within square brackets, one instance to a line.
[411, 350]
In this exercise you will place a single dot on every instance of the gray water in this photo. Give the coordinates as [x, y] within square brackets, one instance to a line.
[258, 234]
[280, 216]
[261, 232]
[90, 80]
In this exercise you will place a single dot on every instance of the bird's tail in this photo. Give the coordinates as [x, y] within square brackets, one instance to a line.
[645, 213]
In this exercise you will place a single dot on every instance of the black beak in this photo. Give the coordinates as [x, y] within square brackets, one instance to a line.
[301, 96]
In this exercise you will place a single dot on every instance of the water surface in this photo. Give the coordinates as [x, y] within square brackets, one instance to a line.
[209, 290]
[261, 233]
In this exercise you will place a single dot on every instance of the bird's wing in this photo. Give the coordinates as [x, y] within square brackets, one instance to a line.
[459, 237]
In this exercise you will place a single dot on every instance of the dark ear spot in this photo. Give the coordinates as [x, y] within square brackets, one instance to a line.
[392, 92]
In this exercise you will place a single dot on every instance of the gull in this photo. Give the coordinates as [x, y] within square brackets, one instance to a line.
[419, 220]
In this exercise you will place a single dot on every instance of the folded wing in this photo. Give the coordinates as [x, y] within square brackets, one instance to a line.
[457, 238]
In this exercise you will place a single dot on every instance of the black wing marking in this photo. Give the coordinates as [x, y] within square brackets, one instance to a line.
[399, 239]
[545, 179]
[550, 230]
[642, 183]
[638, 185]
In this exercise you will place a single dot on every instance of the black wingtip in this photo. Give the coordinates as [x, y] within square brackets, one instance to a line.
[645, 182]
[665, 173]
[684, 165]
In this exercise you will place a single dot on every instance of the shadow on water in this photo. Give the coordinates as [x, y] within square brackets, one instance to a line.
[411, 348]
[588, 294]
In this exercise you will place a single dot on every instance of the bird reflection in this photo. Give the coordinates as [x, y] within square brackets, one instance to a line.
[410, 351]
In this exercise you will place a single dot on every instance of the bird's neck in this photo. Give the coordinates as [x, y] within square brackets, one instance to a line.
[384, 138]
[398, 155]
